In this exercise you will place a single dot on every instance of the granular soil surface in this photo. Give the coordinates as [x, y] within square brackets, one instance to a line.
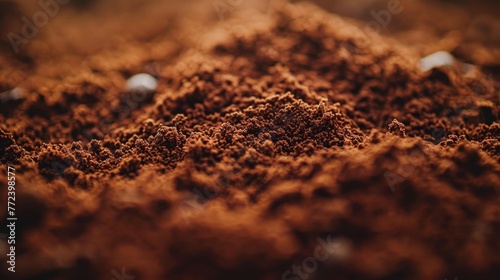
[272, 140]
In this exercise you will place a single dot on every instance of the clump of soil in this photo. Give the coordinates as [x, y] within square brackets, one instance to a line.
[260, 139]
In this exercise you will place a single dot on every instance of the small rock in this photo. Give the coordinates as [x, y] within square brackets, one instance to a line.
[437, 59]
[443, 58]
[12, 95]
[140, 88]
[141, 82]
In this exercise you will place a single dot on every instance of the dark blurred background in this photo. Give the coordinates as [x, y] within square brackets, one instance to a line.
[463, 27]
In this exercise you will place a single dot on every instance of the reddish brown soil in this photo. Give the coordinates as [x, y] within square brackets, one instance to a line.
[266, 133]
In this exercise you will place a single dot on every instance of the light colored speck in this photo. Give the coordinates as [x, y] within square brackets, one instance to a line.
[14, 94]
[437, 59]
[141, 82]
[470, 70]
[341, 249]
[17, 93]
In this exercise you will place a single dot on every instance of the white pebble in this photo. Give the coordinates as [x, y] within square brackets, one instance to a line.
[15, 94]
[141, 82]
[437, 59]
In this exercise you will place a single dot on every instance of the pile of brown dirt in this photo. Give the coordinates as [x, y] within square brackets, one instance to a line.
[268, 137]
